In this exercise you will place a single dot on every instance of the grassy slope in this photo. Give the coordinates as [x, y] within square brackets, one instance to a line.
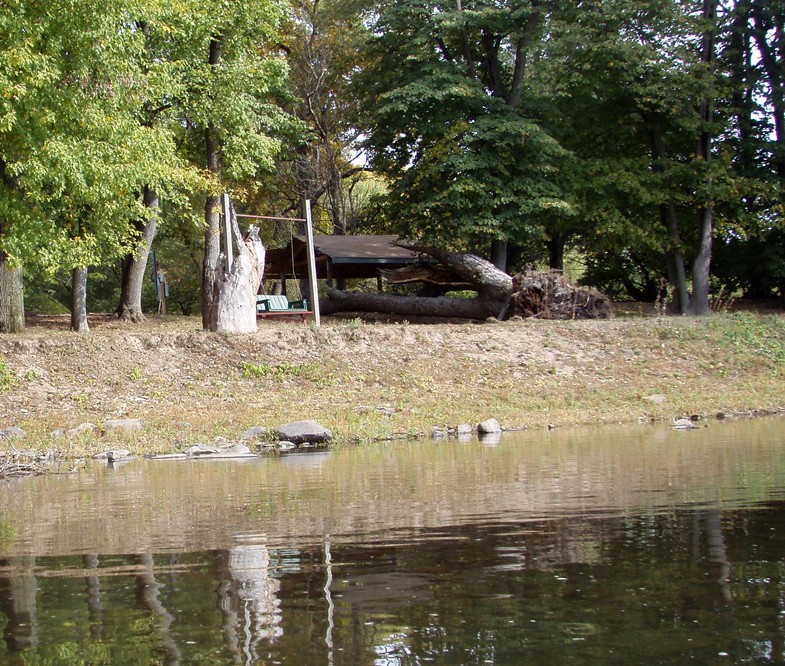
[372, 380]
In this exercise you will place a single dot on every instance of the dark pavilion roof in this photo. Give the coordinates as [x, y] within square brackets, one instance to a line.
[339, 257]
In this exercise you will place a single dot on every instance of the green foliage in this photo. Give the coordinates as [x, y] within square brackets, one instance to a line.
[466, 161]
[754, 265]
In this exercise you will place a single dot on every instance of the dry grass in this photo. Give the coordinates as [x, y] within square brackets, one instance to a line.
[372, 380]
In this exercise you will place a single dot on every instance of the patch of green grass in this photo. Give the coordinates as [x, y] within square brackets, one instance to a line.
[755, 336]
[278, 371]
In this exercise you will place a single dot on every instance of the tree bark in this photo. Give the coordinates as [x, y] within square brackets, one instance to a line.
[79, 301]
[556, 244]
[491, 283]
[415, 306]
[677, 272]
[12, 305]
[494, 289]
[212, 216]
[236, 303]
[701, 266]
[499, 254]
[135, 265]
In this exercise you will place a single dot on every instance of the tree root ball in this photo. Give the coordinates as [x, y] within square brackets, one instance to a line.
[547, 295]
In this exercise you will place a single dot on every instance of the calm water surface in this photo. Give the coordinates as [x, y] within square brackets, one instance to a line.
[604, 546]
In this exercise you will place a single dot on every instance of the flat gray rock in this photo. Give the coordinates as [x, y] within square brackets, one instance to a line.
[201, 450]
[303, 431]
[167, 456]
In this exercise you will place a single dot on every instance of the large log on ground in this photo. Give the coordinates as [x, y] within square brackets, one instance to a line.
[414, 306]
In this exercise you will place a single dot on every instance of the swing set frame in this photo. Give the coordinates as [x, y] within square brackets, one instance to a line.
[312, 282]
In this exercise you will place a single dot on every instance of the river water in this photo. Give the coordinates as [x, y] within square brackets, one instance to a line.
[580, 546]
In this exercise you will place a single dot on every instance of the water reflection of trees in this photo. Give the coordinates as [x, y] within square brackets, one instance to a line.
[146, 620]
[450, 592]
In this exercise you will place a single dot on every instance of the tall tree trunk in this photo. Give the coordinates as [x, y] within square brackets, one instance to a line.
[677, 272]
[79, 301]
[135, 265]
[12, 304]
[701, 267]
[770, 25]
[499, 254]
[556, 244]
[212, 216]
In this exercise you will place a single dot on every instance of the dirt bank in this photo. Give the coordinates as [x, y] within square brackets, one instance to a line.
[364, 379]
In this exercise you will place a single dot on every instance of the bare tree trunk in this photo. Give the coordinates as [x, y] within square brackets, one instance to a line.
[79, 301]
[701, 267]
[236, 303]
[212, 217]
[135, 265]
[556, 244]
[12, 305]
[499, 254]
[677, 272]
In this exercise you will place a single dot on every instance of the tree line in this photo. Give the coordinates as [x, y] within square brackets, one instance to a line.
[647, 136]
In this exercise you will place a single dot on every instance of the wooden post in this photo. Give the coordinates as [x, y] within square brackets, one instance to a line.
[226, 210]
[311, 264]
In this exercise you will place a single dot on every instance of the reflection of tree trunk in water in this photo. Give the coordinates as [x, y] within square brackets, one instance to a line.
[18, 604]
[148, 595]
[225, 605]
[715, 542]
[248, 599]
[95, 606]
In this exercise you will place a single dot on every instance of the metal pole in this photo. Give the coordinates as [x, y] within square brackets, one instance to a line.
[311, 263]
[226, 210]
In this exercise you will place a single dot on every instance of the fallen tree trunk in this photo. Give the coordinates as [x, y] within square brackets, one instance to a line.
[491, 283]
[415, 306]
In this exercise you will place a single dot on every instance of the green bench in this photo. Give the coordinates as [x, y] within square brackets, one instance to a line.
[280, 306]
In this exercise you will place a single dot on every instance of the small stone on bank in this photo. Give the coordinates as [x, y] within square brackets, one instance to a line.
[489, 426]
[684, 424]
[298, 432]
